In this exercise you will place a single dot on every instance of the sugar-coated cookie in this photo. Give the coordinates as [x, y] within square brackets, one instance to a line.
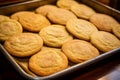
[55, 35]
[79, 51]
[103, 22]
[43, 10]
[24, 44]
[60, 16]
[9, 28]
[105, 41]
[48, 61]
[31, 21]
[3, 18]
[116, 31]
[80, 28]
[66, 4]
[82, 11]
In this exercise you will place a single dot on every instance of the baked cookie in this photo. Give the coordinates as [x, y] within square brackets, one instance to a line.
[60, 16]
[105, 41]
[103, 22]
[43, 10]
[79, 51]
[24, 44]
[80, 28]
[116, 31]
[82, 11]
[3, 18]
[66, 4]
[9, 28]
[55, 35]
[31, 21]
[48, 61]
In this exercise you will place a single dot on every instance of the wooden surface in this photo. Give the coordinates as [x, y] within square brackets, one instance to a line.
[108, 69]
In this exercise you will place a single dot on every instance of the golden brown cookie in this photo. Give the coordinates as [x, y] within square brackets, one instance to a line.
[55, 35]
[48, 61]
[24, 44]
[43, 10]
[116, 31]
[31, 21]
[3, 18]
[60, 16]
[79, 51]
[80, 28]
[9, 28]
[105, 41]
[66, 4]
[103, 22]
[82, 11]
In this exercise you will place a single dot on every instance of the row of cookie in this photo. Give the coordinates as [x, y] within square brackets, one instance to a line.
[83, 29]
[101, 21]
[54, 35]
[57, 35]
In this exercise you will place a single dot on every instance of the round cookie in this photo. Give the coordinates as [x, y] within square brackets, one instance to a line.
[3, 18]
[55, 35]
[48, 61]
[103, 22]
[79, 51]
[66, 4]
[43, 10]
[60, 16]
[82, 11]
[80, 28]
[9, 28]
[31, 21]
[105, 41]
[116, 31]
[24, 44]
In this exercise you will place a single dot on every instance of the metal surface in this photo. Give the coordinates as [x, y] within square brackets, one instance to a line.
[31, 5]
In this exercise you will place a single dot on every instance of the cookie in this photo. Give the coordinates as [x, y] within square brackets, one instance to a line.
[3, 18]
[48, 61]
[66, 4]
[79, 51]
[116, 31]
[43, 10]
[31, 21]
[105, 41]
[55, 35]
[24, 44]
[103, 22]
[82, 11]
[9, 28]
[60, 16]
[80, 28]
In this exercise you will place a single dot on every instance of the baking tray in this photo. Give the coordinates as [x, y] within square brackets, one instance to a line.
[31, 5]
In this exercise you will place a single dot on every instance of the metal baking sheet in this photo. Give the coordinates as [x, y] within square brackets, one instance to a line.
[31, 5]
